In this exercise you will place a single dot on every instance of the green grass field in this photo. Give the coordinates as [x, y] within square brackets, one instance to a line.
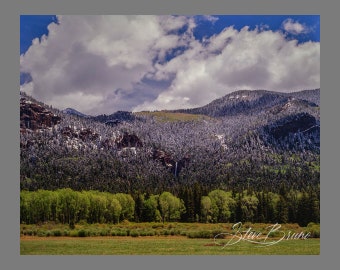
[155, 239]
[158, 245]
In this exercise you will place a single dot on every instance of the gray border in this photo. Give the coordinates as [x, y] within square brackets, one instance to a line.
[9, 24]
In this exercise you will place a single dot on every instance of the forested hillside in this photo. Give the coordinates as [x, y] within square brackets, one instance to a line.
[253, 141]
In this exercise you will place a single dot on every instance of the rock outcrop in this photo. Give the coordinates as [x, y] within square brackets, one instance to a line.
[84, 134]
[168, 161]
[34, 116]
[128, 140]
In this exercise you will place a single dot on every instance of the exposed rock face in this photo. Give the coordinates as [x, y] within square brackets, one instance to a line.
[128, 140]
[163, 157]
[34, 116]
[108, 143]
[69, 132]
[167, 160]
[88, 134]
[84, 134]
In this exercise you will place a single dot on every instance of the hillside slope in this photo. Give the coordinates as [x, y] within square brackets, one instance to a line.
[245, 139]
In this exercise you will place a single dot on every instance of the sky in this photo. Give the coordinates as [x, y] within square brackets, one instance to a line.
[102, 64]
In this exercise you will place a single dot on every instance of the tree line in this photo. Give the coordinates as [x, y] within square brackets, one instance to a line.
[68, 206]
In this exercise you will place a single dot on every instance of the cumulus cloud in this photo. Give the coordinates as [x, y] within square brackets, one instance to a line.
[233, 60]
[295, 28]
[210, 18]
[101, 64]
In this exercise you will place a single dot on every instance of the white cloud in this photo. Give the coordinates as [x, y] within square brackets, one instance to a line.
[210, 18]
[94, 56]
[172, 23]
[235, 60]
[101, 64]
[295, 28]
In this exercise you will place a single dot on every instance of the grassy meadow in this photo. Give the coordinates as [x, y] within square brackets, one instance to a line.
[164, 116]
[158, 245]
[157, 239]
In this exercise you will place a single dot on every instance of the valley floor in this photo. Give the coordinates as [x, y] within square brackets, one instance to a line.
[158, 245]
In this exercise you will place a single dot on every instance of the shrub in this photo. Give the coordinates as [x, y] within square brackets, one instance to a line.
[144, 233]
[122, 233]
[158, 225]
[205, 234]
[82, 233]
[200, 234]
[93, 233]
[74, 233]
[125, 222]
[66, 233]
[56, 233]
[276, 234]
[41, 233]
[315, 232]
[104, 232]
[217, 234]
[191, 234]
[314, 229]
[134, 233]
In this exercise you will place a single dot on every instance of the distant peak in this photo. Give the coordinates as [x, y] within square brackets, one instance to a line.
[72, 111]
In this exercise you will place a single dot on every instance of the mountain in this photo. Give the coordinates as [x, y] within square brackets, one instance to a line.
[252, 102]
[115, 118]
[247, 138]
[312, 96]
[74, 112]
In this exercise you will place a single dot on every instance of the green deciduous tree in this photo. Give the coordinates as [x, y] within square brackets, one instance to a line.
[68, 206]
[222, 205]
[206, 208]
[170, 207]
[151, 211]
[128, 205]
[113, 209]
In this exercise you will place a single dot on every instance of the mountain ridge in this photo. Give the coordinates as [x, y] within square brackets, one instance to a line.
[262, 138]
[251, 101]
